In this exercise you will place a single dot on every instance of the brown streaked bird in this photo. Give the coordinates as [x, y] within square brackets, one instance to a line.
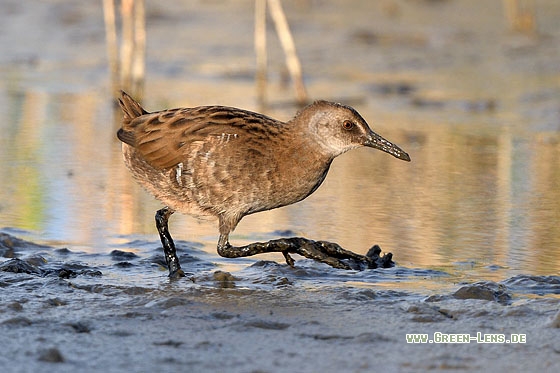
[227, 163]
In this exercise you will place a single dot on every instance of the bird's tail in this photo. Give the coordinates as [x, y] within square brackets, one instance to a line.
[131, 110]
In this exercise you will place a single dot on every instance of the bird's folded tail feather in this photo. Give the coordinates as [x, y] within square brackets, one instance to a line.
[130, 107]
[131, 110]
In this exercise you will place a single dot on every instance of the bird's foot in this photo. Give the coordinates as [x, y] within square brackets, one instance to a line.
[179, 274]
[289, 260]
[377, 261]
[323, 251]
[176, 274]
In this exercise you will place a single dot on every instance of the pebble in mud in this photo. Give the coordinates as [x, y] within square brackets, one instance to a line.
[51, 355]
[120, 256]
[19, 266]
[79, 327]
[15, 306]
[22, 266]
[484, 290]
[427, 313]
[224, 280]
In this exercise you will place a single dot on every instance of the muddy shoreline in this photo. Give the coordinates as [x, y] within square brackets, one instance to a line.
[64, 310]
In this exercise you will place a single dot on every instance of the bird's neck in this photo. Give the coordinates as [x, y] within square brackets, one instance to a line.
[307, 161]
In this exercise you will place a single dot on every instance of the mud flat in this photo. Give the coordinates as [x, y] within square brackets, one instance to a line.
[65, 310]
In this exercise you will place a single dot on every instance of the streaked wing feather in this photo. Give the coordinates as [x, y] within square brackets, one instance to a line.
[165, 138]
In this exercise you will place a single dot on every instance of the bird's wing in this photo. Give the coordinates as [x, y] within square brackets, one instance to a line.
[167, 138]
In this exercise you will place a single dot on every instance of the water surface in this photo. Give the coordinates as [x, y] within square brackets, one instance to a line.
[475, 106]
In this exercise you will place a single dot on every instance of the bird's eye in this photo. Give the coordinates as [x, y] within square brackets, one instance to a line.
[348, 125]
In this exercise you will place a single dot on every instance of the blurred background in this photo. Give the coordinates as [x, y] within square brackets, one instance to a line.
[470, 89]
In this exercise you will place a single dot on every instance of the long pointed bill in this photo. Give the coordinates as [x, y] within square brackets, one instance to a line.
[377, 142]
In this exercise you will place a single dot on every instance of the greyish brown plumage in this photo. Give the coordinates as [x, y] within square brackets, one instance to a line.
[227, 163]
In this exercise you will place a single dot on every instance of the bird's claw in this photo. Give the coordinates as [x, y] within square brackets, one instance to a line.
[291, 262]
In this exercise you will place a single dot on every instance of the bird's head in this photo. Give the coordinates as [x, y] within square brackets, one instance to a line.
[338, 128]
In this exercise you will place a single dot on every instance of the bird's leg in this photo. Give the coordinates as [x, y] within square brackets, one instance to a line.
[169, 251]
[326, 252]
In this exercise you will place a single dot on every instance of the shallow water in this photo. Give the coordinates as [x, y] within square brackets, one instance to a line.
[475, 105]
[481, 191]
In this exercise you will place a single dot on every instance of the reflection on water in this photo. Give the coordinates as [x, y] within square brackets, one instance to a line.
[467, 200]
[481, 197]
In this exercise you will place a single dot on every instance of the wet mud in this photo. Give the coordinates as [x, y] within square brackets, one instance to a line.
[67, 310]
